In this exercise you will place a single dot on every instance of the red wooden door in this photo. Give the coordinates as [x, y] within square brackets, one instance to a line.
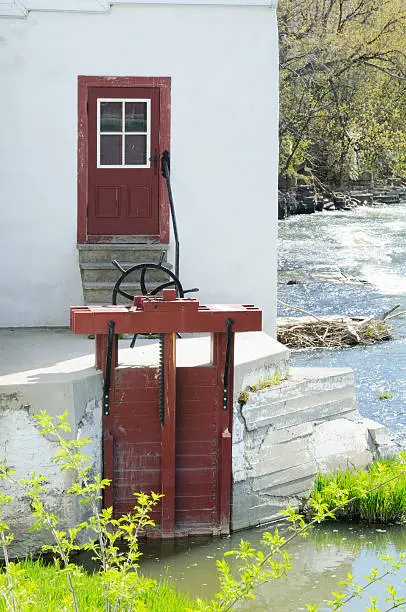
[123, 164]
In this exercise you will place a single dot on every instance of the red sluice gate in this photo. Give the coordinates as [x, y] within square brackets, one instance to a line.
[168, 429]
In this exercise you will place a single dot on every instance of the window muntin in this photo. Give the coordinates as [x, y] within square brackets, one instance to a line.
[123, 133]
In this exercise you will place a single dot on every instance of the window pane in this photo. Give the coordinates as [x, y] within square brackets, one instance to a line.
[135, 116]
[110, 150]
[135, 150]
[111, 116]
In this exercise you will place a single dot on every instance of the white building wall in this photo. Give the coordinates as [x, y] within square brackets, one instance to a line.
[223, 64]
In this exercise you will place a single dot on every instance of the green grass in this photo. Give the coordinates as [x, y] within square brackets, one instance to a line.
[50, 592]
[268, 381]
[386, 504]
[263, 383]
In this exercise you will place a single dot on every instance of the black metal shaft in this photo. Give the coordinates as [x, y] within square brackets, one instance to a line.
[162, 378]
[166, 172]
[229, 324]
[107, 373]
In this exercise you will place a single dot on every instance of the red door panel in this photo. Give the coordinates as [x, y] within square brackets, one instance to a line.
[123, 164]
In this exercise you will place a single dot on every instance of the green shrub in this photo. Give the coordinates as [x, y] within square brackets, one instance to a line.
[385, 395]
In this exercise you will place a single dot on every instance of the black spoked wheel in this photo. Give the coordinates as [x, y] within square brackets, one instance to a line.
[172, 281]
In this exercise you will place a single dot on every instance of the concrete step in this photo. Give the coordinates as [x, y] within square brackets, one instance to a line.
[133, 253]
[283, 435]
[101, 292]
[309, 394]
[94, 272]
[99, 275]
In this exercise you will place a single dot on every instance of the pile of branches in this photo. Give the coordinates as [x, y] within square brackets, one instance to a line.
[332, 331]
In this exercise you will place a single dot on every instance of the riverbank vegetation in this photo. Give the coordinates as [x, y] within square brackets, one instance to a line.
[117, 585]
[342, 88]
[370, 500]
[44, 587]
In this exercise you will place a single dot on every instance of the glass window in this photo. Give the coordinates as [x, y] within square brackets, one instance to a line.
[111, 150]
[135, 117]
[123, 133]
[135, 150]
[111, 116]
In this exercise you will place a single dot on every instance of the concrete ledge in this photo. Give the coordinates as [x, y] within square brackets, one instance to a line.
[284, 435]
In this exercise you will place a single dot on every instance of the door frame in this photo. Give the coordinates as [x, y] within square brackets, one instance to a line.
[84, 82]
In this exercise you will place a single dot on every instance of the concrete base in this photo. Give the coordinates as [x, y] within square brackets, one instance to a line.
[53, 370]
[285, 434]
[281, 437]
[63, 379]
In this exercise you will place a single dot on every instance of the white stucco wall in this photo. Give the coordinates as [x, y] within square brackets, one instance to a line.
[223, 64]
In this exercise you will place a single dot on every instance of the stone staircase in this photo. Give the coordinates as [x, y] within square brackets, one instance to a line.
[99, 275]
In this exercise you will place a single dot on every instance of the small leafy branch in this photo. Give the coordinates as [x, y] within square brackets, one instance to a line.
[122, 584]
[255, 567]
[355, 590]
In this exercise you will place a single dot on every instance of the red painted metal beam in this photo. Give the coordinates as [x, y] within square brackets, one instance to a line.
[224, 426]
[168, 468]
[108, 440]
[225, 459]
[164, 318]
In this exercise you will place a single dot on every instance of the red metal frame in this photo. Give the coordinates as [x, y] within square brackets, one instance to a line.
[168, 465]
[196, 434]
[159, 318]
[84, 82]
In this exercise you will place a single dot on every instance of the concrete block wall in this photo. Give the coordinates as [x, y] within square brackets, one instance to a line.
[23, 448]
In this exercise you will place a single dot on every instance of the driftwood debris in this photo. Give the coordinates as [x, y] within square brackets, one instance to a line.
[331, 331]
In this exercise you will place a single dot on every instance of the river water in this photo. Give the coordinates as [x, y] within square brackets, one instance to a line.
[365, 248]
[347, 263]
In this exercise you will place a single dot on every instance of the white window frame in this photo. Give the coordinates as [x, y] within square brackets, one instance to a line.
[124, 133]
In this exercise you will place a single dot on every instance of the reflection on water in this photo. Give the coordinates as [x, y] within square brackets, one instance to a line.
[318, 564]
[367, 249]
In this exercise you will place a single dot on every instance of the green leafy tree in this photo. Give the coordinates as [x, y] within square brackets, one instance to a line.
[342, 86]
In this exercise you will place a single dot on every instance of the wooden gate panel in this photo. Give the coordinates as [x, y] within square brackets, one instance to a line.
[137, 437]
[196, 448]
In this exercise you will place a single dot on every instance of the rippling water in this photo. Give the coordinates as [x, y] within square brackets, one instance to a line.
[352, 263]
[319, 563]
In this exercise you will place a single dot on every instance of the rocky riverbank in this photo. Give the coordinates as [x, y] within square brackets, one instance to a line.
[311, 197]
